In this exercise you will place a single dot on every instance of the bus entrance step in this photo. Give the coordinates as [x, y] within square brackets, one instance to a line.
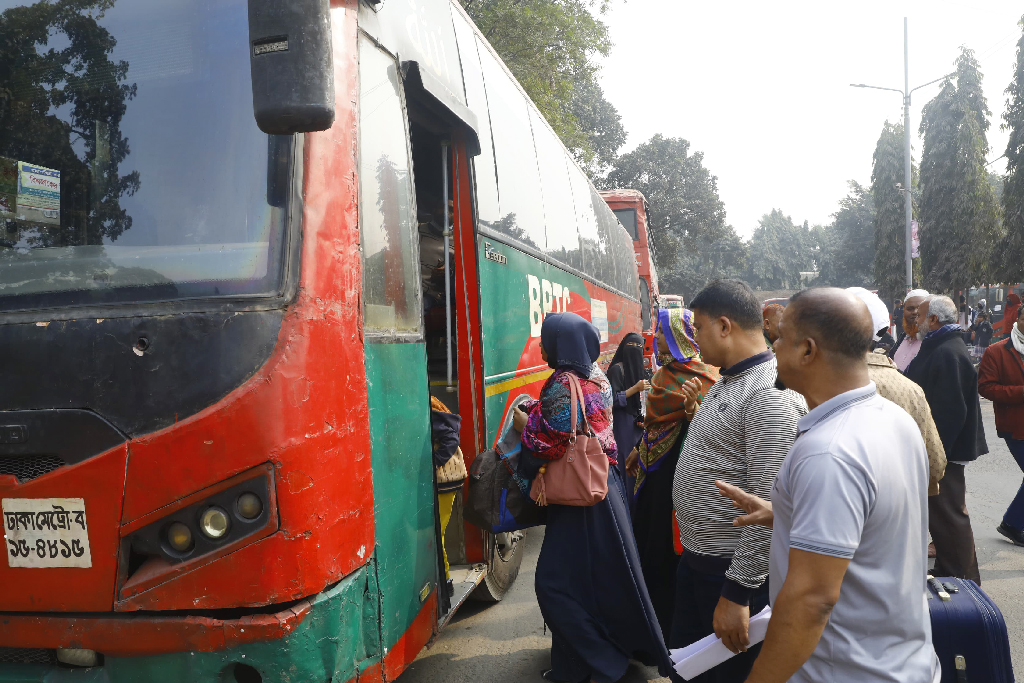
[465, 578]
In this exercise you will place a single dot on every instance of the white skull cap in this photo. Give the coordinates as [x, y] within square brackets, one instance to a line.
[916, 292]
[879, 313]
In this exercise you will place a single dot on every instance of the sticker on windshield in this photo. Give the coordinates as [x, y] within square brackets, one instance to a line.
[46, 532]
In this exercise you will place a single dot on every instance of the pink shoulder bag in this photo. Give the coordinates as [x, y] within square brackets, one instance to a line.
[580, 477]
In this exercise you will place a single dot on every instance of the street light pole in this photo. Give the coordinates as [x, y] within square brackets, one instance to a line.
[907, 197]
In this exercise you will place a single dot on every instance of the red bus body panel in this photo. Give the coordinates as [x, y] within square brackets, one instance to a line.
[304, 412]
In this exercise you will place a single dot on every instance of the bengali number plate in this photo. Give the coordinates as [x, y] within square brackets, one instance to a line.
[46, 532]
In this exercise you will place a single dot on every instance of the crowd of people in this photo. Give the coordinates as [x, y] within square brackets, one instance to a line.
[795, 456]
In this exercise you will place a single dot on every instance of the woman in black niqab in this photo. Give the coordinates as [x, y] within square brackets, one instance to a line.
[627, 377]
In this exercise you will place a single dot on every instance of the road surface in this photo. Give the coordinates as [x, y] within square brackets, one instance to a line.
[505, 643]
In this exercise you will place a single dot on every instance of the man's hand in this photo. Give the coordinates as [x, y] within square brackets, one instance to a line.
[731, 623]
[759, 511]
[632, 462]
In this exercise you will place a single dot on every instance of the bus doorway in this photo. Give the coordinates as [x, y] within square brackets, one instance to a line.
[481, 565]
[432, 156]
[435, 216]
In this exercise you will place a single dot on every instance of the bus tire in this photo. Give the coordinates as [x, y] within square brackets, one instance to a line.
[504, 560]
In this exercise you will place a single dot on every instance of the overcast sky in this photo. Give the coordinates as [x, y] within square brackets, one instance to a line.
[762, 89]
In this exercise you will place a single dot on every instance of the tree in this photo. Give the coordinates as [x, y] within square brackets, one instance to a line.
[1009, 253]
[887, 177]
[687, 215]
[959, 215]
[846, 247]
[723, 257]
[782, 250]
[551, 46]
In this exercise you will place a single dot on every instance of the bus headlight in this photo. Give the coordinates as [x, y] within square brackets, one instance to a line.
[179, 537]
[214, 523]
[249, 505]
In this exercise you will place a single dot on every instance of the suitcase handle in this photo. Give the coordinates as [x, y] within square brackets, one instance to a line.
[961, 668]
[939, 590]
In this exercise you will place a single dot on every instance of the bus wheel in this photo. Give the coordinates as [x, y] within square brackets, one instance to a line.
[505, 557]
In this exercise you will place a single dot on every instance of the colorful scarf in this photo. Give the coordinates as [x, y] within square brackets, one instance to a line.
[547, 429]
[666, 413]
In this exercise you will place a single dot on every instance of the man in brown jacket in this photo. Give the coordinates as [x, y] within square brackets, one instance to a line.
[890, 383]
[1001, 380]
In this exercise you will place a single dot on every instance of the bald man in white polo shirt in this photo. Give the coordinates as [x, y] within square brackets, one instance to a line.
[850, 515]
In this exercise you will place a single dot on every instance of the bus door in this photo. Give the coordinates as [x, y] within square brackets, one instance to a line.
[395, 357]
[448, 281]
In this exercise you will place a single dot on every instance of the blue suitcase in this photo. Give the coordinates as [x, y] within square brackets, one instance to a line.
[968, 633]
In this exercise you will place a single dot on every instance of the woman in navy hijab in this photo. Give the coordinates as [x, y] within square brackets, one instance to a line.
[589, 584]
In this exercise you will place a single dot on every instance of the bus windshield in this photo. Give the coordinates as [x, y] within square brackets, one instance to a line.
[131, 168]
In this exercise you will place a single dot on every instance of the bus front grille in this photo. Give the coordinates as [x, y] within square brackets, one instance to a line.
[27, 467]
[27, 655]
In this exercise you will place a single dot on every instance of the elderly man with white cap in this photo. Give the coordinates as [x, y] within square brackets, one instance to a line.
[891, 384]
[907, 347]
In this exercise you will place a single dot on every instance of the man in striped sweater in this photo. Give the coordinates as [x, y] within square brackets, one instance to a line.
[740, 435]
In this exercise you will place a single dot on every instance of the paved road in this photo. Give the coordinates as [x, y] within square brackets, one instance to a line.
[505, 643]
[992, 482]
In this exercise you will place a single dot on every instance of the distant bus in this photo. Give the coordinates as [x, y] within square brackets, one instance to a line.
[670, 301]
[630, 207]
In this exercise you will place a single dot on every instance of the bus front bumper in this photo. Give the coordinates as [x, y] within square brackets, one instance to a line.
[126, 635]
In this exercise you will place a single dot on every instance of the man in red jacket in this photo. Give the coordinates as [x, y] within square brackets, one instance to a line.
[1001, 380]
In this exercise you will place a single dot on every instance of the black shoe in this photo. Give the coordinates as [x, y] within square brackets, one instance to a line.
[450, 587]
[1015, 535]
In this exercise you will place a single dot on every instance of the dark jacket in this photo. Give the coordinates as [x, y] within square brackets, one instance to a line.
[943, 368]
[982, 332]
[1001, 380]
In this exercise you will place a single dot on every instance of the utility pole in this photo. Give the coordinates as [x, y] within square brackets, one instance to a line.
[908, 200]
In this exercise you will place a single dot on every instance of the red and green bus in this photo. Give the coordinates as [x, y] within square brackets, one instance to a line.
[241, 245]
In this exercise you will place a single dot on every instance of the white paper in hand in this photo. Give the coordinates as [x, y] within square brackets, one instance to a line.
[696, 658]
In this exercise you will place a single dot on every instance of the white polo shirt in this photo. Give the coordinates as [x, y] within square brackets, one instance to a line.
[855, 485]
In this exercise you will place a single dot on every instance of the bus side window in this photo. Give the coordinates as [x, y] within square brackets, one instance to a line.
[586, 221]
[608, 229]
[563, 242]
[645, 304]
[387, 214]
[519, 192]
[486, 195]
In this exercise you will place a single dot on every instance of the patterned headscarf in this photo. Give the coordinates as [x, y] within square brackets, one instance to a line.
[666, 402]
[677, 324]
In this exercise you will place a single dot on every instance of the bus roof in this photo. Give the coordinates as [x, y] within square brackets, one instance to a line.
[622, 195]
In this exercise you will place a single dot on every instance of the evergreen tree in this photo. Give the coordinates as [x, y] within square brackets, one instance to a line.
[887, 172]
[1009, 253]
[959, 216]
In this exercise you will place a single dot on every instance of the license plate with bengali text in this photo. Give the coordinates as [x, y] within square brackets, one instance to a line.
[46, 532]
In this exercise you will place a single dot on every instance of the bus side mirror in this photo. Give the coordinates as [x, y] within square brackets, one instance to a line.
[292, 64]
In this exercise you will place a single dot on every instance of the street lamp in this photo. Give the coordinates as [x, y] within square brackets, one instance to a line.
[907, 203]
